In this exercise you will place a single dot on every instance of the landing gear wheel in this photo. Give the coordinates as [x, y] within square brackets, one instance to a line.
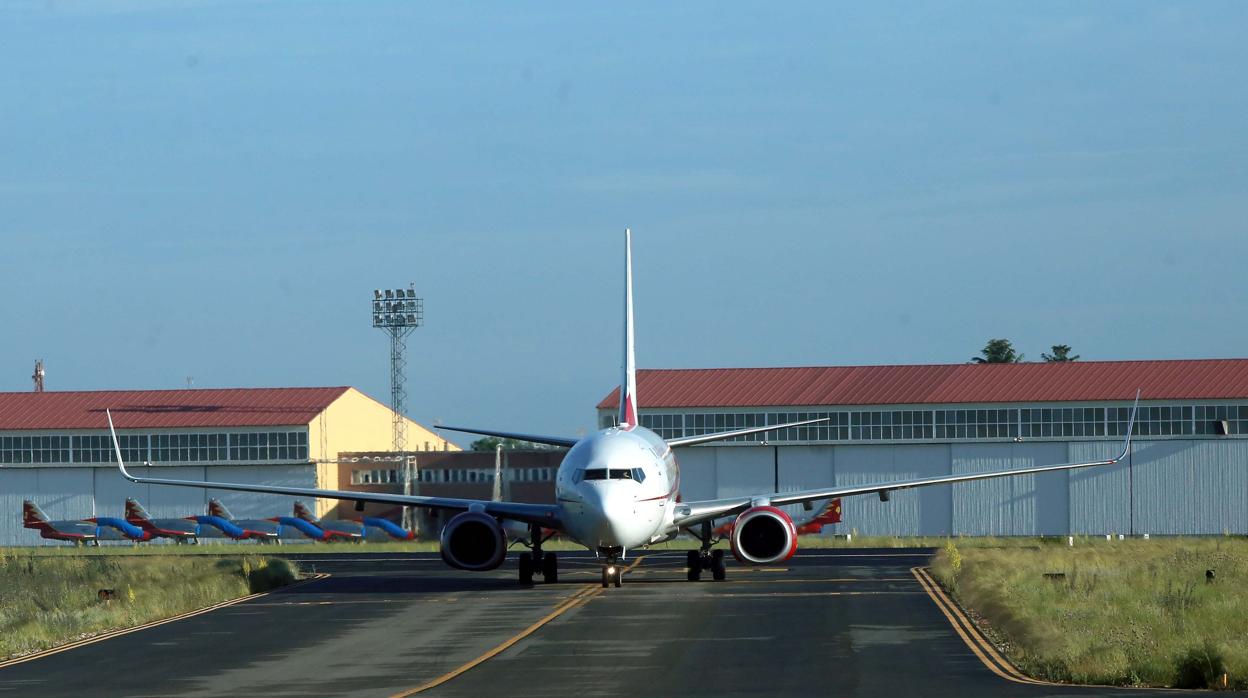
[550, 568]
[526, 568]
[718, 571]
[606, 578]
[693, 561]
[619, 576]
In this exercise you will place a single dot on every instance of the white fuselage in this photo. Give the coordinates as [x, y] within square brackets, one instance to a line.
[617, 489]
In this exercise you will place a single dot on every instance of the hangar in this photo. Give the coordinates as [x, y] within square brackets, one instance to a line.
[1187, 472]
[55, 448]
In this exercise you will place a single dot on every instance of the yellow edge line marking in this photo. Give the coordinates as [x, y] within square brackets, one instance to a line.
[975, 632]
[938, 594]
[972, 644]
[579, 598]
[126, 631]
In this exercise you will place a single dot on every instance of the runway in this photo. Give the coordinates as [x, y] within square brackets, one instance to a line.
[828, 622]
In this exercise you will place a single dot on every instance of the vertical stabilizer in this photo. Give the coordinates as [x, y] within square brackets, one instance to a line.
[135, 511]
[303, 512]
[216, 508]
[32, 515]
[628, 381]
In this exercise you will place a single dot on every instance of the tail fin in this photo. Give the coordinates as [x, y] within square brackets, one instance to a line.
[628, 382]
[135, 511]
[32, 515]
[216, 508]
[302, 512]
[831, 512]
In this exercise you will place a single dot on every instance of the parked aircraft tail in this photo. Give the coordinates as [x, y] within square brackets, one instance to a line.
[32, 515]
[303, 512]
[216, 508]
[135, 513]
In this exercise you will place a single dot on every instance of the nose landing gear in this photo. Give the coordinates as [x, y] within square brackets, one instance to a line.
[538, 561]
[612, 570]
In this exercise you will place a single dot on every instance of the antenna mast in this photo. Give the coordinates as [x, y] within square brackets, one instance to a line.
[38, 376]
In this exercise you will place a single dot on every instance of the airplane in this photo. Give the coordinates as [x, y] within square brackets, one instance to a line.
[92, 530]
[262, 530]
[809, 525]
[180, 530]
[76, 532]
[334, 529]
[618, 489]
[353, 530]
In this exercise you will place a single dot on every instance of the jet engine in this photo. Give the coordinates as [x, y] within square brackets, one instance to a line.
[473, 541]
[763, 534]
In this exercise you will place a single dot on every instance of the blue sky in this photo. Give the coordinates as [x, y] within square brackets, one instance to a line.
[213, 190]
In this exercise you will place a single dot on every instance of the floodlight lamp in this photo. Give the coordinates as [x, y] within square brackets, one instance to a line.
[377, 294]
[389, 293]
[411, 293]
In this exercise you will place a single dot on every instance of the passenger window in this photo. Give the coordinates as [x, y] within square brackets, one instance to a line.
[596, 474]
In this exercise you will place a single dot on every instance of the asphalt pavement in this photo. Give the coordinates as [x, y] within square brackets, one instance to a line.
[828, 622]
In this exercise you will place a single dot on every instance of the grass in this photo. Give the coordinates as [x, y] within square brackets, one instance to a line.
[1131, 612]
[51, 599]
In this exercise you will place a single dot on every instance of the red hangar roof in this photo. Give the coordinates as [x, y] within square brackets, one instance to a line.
[165, 409]
[1074, 381]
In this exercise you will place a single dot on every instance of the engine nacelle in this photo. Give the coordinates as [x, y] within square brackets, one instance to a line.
[762, 535]
[473, 541]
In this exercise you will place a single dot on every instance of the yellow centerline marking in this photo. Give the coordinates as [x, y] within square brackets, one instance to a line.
[579, 598]
[126, 631]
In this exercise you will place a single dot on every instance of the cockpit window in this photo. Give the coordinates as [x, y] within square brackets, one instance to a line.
[620, 474]
[639, 475]
[596, 474]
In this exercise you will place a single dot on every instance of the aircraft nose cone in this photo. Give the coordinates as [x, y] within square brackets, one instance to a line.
[614, 514]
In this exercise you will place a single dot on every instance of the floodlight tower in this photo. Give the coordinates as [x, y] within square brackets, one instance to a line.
[398, 312]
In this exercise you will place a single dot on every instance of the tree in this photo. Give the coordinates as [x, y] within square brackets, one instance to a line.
[489, 443]
[1061, 352]
[998, 351]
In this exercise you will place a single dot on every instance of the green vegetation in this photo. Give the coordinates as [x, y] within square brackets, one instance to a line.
[1135, 612]
[48, 599]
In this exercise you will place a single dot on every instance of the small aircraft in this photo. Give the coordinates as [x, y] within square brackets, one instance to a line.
[335, 529]
[76, 532]
[91, 530]
[342, 529]
[180, 530]
[263, 530]
[618, 489]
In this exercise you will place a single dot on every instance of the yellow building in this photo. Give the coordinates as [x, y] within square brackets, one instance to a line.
[55, 448]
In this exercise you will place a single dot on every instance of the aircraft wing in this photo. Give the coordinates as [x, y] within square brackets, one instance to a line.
[564, 441]
[718, 436]
[690, 513]
[545, 514]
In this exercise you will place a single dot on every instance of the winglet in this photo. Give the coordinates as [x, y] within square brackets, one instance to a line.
[121, 465]
[628, 381]
[1126, 445]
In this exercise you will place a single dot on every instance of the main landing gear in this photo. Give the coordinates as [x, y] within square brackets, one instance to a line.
[704, 558]
[537, 561]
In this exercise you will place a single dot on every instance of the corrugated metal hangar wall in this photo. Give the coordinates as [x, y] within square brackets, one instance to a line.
[77, 492]
[1171, 486]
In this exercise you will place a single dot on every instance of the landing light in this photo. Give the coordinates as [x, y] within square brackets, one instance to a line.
[611, 570]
